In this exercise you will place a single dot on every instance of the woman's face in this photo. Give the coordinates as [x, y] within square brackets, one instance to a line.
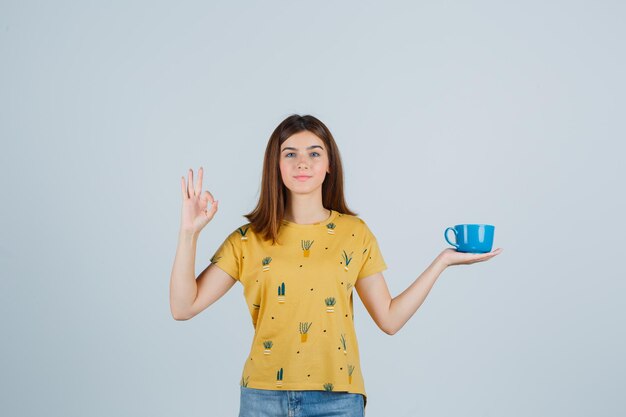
[303, 162]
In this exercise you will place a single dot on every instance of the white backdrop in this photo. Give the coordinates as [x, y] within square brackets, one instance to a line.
[507, 113]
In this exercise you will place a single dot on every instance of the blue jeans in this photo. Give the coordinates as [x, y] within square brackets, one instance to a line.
[282, 403]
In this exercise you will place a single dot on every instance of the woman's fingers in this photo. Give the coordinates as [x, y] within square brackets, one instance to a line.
[199, 185]
[210, 196]
[490, 255]
[188, 190]
[454, 257]
[212, 203]
[184, 188]
[190, 183]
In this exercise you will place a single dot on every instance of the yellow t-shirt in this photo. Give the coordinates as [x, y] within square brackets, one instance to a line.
[299, 295]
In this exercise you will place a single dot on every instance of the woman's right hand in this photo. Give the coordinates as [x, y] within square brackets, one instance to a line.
[196, 214]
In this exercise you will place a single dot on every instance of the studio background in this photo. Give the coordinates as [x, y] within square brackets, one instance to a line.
[507, 113]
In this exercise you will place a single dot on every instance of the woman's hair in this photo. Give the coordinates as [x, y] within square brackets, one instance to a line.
[266, 217]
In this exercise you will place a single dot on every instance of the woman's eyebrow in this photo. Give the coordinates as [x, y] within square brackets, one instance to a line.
[295, 149]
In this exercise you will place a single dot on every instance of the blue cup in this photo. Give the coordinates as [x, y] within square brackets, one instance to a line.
[472, 238]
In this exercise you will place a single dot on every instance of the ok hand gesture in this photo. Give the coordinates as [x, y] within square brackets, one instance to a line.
[195, 213]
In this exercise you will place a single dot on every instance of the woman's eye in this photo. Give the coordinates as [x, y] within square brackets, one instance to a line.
[291, 153]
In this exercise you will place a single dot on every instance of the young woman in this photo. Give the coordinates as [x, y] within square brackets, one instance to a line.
[299, 258]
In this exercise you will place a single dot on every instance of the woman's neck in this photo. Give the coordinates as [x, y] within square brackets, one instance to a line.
[306, 213]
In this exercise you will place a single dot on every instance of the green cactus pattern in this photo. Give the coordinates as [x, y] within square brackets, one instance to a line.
[281, 293]
[347, 259]
[330, 227]
[304, 327]
[279, 378]
[343, 343]
[243, 232]
[266, 263]
[330, 304]
[245, 382]
[304, 331]
[328, 387]
[267, 345]
[306, 247]
[350, 372]
[214, 259]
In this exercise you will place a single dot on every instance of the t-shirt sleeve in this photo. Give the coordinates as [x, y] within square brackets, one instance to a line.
[372, 260]
[228, 256]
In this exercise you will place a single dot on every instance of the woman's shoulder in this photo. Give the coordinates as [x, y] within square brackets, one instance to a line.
[357, 224]
[350, 219]
[243, 230]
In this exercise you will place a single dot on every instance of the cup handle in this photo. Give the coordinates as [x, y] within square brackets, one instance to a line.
[445, 234]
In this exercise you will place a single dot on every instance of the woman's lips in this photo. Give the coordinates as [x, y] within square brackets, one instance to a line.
[302, 178]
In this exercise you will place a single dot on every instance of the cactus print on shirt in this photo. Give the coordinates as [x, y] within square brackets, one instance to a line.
[300, 298]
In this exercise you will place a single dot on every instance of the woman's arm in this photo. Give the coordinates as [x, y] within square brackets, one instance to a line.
[392, 314]
[195, 215]
[183, 287]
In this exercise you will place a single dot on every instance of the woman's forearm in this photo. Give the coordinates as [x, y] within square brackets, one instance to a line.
[183, 287]
[404, 305]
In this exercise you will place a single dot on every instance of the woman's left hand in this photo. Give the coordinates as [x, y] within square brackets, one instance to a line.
[452, 257]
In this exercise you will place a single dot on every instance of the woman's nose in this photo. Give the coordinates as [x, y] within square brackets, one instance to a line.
[302, 162]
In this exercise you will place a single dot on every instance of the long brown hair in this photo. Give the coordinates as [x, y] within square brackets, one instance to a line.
[266, 217]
